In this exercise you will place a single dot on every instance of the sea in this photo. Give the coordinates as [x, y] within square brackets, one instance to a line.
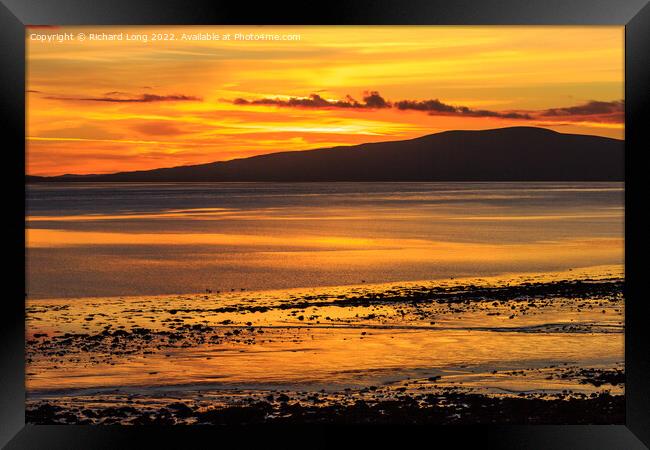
[134, 239]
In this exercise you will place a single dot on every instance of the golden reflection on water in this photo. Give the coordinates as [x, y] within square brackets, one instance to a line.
[304, 251]
[340, 358]
[333, 346]
[274, 214]
[93, 240]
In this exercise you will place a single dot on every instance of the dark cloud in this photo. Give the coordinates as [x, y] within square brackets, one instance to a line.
[465, 111]
[370, 100]
[436, 107]
[313, 101]
[373, 100]
[120, 97]
[426, 105]
[590, 108]
[515, 115]
[593, 110]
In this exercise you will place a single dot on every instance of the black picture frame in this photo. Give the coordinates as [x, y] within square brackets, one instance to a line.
[633, 14]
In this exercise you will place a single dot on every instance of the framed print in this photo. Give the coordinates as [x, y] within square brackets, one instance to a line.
[397, 220]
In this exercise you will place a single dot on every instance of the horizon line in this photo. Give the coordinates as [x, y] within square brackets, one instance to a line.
[310, 149]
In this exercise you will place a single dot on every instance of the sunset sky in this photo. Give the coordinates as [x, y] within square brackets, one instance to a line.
[108, 106]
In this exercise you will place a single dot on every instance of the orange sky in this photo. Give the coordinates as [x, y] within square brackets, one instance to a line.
[107, 106]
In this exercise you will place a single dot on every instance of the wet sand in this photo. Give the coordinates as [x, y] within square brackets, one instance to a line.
[515, 348]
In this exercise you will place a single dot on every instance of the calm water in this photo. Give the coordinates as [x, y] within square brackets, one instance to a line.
[137, 239]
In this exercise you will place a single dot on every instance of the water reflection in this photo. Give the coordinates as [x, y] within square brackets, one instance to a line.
[131, 239]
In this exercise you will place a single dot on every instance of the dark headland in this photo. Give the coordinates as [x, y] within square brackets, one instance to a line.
[502, 154]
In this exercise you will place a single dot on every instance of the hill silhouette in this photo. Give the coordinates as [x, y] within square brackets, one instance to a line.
[503, 154]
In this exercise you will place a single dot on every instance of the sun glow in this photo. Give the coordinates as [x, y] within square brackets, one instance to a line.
[106, 106]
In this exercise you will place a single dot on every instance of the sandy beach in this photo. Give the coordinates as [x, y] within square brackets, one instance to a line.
[438, 352]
